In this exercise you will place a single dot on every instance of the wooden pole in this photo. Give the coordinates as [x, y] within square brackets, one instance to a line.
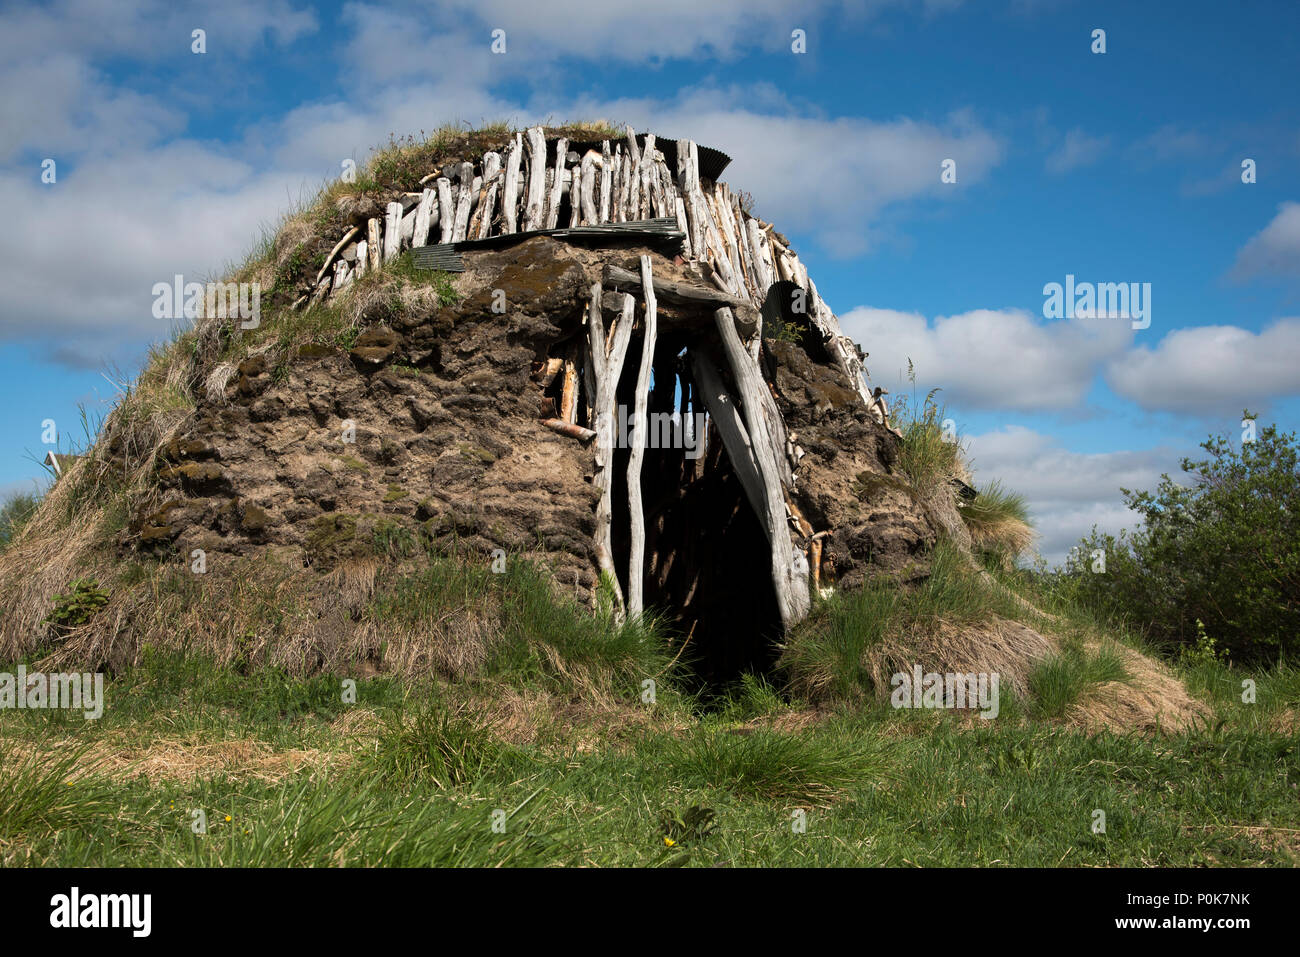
[446, 210]
[790, 582]
[607, 366]
[535, 213]
[636, 551]
[557, 184]
[510, 189]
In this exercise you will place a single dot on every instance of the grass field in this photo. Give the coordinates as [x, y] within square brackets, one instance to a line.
[288, 774]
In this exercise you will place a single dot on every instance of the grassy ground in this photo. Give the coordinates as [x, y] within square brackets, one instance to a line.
[287, 773]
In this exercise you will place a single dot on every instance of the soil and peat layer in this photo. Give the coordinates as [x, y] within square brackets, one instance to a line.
[398, 475]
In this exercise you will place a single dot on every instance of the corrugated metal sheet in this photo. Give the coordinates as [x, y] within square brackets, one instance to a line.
[446, 256]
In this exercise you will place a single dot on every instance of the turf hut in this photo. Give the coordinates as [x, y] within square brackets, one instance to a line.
[574, 346]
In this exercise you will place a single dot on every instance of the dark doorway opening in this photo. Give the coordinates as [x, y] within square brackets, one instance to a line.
[708, 561]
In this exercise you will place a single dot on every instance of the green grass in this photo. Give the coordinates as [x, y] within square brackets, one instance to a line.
[825, 655]
[1063, 679]
[427, 788]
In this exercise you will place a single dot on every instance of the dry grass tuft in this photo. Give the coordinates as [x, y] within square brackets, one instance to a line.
[1151, 700]
[1008, 648]
[186, 759]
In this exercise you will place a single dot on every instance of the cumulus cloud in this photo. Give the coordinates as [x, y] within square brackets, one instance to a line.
[142, 204]
[1275, 250]
[1212, 369]
[987, 358]
[1067, 492]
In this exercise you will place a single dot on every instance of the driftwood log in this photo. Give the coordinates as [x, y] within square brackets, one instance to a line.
[636, 550]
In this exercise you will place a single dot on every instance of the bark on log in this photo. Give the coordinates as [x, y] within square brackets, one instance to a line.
[569, 391]
[372, 239]
[569, 429]
[636, 549]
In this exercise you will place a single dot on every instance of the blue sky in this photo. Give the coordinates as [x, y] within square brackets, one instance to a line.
[1115, 167]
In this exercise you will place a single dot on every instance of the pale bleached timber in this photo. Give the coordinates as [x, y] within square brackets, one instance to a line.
[557, 184]
[372, 241]
[487, 203]
[392, 231]
[606, 361]
[446, 210]
[423, 214]
[606, 178]
[536, 203]
[636, 548]
[791, 585]
[510, 188]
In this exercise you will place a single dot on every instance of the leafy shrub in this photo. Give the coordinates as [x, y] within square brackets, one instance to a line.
[14, 514]
[1223, 550]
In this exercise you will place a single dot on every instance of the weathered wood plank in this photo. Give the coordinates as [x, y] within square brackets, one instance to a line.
[789, 574]
[510, 189]
[535, 213]
[423, 215]
[372, 241]
[615, 277]
[636, 548]
[392, 231]
[606, 181]
[557, 184]
[481, 227]
[446, 210]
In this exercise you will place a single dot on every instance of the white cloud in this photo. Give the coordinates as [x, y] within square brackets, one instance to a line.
[1067, 492]
[989, 359]
[1079, 149]
[1275, 250]
[1212, 369]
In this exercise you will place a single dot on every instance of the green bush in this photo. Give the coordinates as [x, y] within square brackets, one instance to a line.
[1223, 550]
[14, 514]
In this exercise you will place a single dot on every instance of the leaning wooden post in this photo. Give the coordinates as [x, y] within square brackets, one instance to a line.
[636, 552]
[788, 578]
